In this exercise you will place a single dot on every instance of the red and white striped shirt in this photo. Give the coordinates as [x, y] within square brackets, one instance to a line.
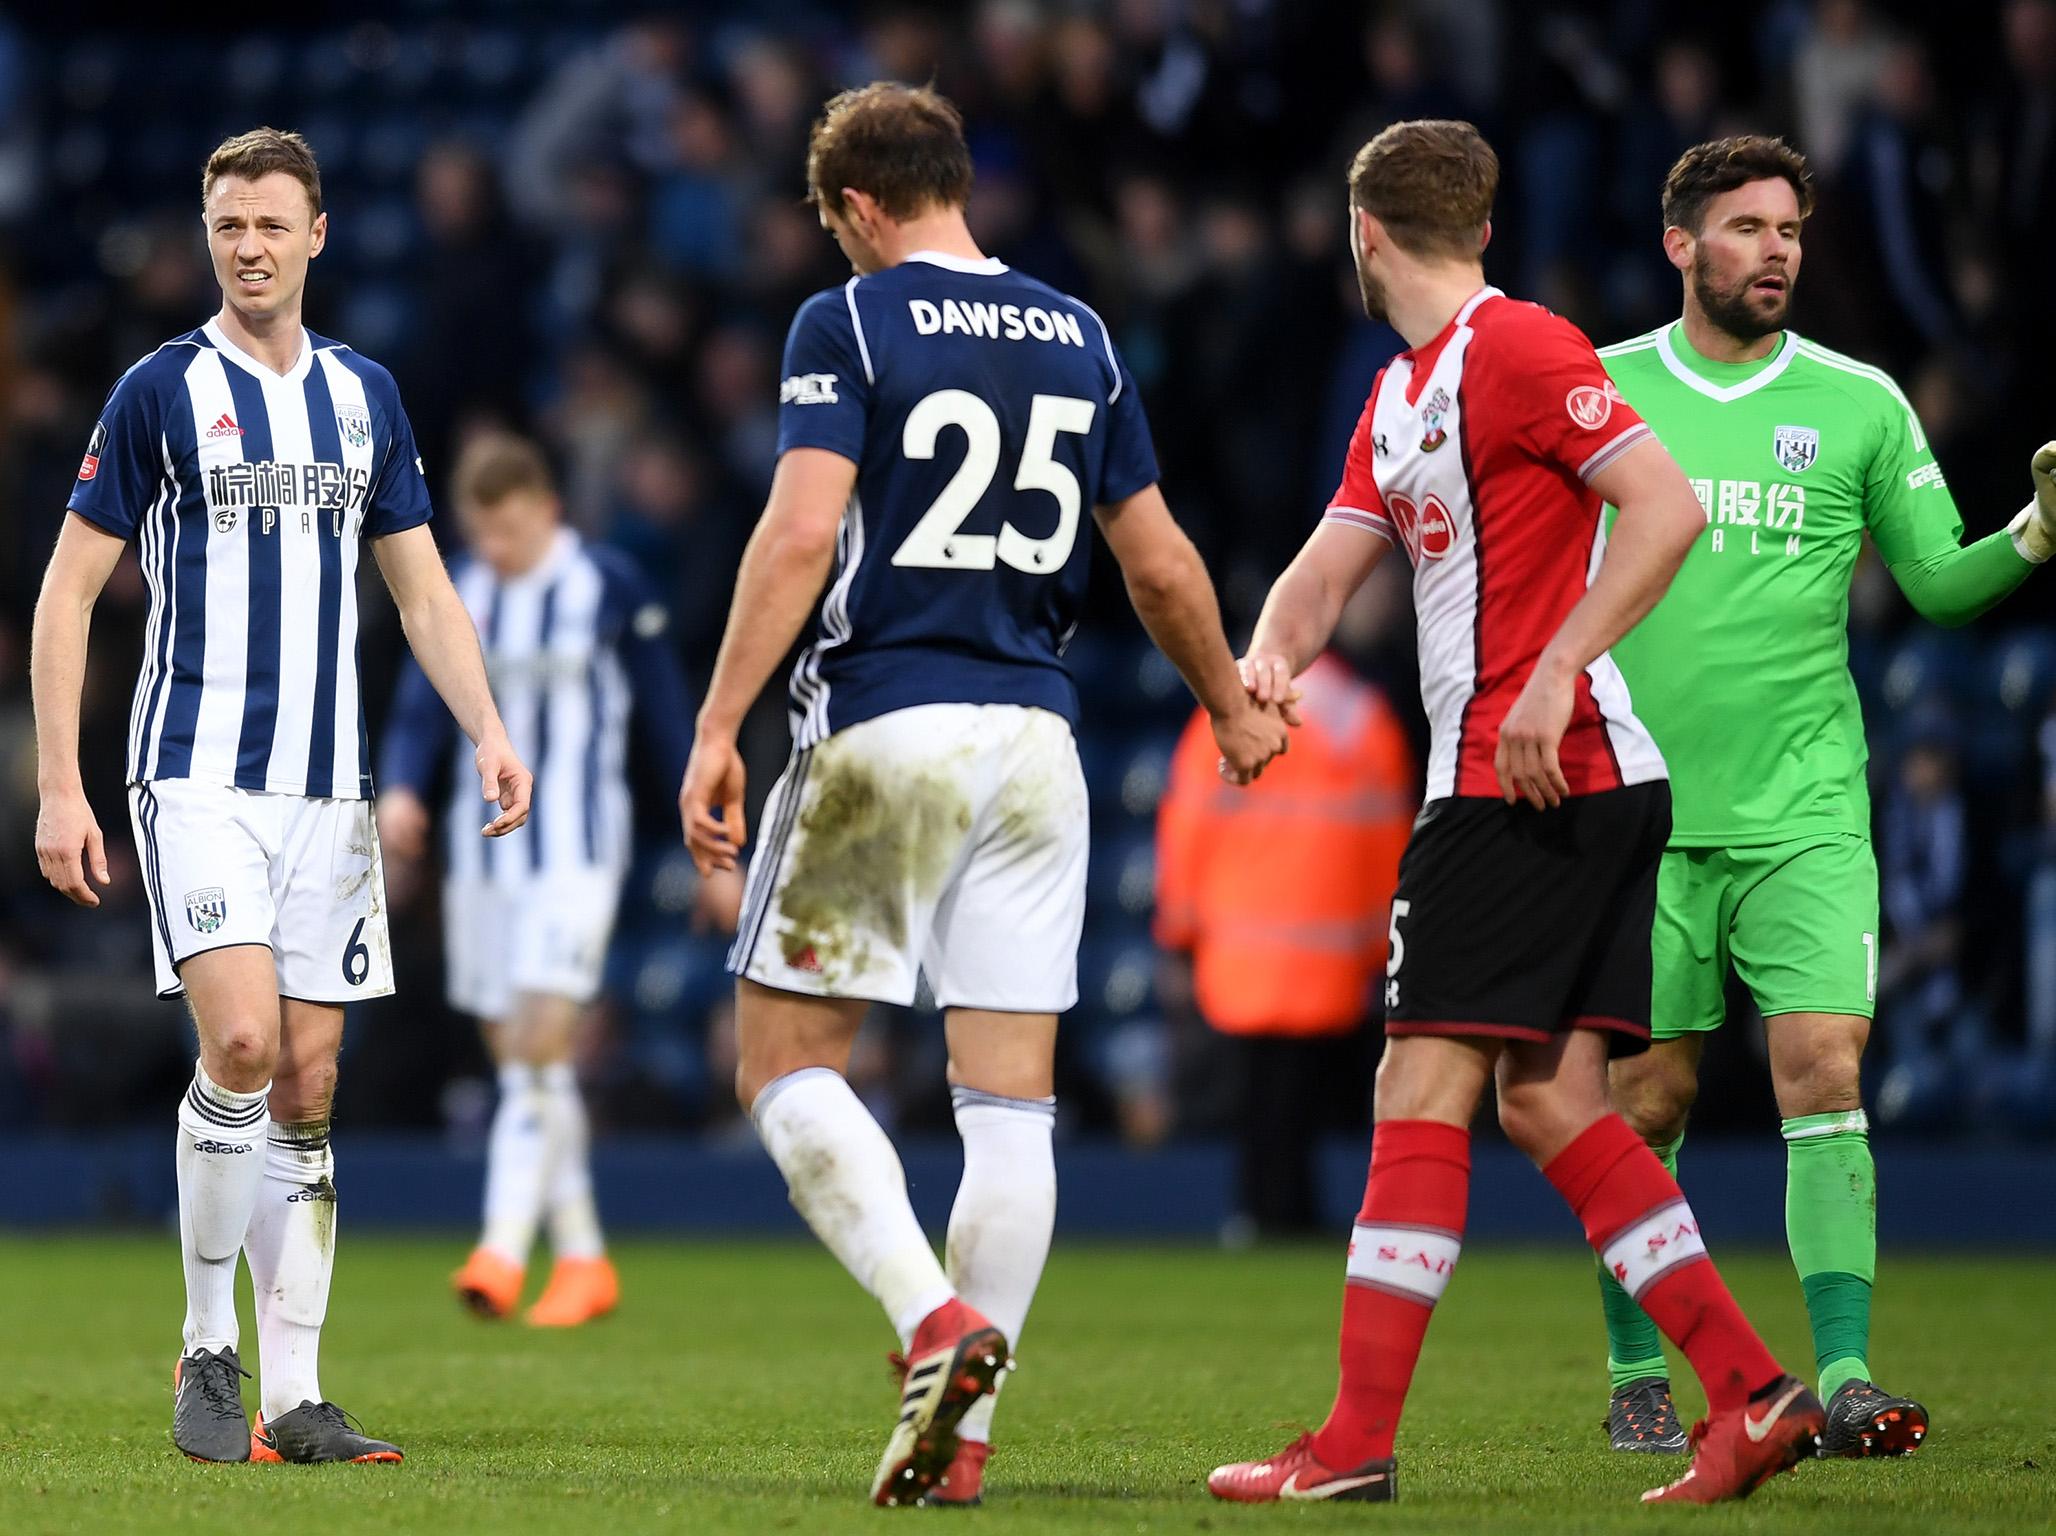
[1475, 454]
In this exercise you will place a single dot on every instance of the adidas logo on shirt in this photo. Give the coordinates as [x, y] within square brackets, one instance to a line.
[225, 427]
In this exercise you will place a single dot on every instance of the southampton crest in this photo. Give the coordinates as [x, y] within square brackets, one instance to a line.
[355, 424]
[1432, 434]
[1795, 447]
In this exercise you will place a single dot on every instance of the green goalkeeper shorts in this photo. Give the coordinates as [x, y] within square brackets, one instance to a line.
[1798, 921]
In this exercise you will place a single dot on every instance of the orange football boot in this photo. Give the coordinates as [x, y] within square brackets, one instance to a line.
[489, 1284]
[579, 1291]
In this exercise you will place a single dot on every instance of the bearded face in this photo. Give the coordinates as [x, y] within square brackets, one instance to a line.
[1744, 259]
[1749, 304]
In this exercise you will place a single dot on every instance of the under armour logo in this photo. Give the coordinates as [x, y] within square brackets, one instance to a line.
[1378, 442]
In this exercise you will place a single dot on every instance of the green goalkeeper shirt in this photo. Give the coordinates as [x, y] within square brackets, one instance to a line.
[1742, 671]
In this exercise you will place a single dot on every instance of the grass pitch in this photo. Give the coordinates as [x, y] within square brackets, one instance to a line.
[743, 1387]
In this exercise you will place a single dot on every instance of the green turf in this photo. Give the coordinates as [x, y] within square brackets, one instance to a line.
[744, 1388]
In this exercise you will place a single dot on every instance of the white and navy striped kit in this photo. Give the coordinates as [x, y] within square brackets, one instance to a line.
[250, 493]
[572, 647]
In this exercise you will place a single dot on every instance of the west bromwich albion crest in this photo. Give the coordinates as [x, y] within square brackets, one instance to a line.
[207, 909]
[355, 424]
[1795, 447]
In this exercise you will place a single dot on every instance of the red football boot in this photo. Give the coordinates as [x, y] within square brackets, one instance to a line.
[1737, 1452]
[962, 1485]
[955, 1359]
[1296, 1475]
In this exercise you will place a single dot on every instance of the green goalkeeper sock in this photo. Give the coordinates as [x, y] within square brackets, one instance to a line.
[1831, 1222]
[1634, 1349]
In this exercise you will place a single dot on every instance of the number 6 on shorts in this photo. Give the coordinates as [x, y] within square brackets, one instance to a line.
[356, 958]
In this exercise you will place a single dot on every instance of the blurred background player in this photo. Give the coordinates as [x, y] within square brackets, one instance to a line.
[1281, 894]
[944, 424]
[252, 461]
[574, 641]
[1742, 675]
[1520, 931]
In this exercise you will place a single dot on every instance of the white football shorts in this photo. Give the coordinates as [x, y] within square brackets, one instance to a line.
[544, 932]
[300, 875]
[945, 839]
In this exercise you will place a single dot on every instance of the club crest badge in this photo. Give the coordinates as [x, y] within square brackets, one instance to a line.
[1432, 434]
[1795, 448]
[354, 422]
[207, 909]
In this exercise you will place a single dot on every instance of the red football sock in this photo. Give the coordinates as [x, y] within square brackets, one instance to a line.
[1401, 1256]
[1649, 1239]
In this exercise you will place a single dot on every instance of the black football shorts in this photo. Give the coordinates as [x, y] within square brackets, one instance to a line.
[1520, 924]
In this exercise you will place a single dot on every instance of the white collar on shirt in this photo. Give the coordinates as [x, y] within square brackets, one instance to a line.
[991, 266]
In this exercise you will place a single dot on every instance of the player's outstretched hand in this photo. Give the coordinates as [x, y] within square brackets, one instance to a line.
[2036, 526]
[714, 779]
[1529, 736]
[69, 847]
[503, 780]
[1249, 737]
[1268, 677]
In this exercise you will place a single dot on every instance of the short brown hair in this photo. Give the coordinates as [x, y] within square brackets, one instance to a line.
[903, 144]
[1705, 171]
[497, 465]
[1430, 182]
[260, 152]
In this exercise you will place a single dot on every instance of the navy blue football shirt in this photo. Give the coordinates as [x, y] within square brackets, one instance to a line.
[987, 414]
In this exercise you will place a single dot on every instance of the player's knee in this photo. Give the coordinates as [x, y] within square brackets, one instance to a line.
[1656, 1100]
[1541, 1119]
[242, 1058]
[1826, 1078]
[303, 1093]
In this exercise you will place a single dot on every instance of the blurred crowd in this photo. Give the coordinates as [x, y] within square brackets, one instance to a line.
[586, 224]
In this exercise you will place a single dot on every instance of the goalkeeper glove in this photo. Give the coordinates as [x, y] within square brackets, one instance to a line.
[2034, 530]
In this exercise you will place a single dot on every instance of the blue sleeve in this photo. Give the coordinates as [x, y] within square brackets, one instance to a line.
[1130, 462]
[123, 465]
[418, 732]
[399, 496]
[645, 643]
[824, 392]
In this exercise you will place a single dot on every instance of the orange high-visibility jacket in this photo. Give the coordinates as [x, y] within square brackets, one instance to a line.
[1283, 890]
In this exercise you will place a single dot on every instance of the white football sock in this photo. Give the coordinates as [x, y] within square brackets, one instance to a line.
[220, 1163]
[999, 1228]
[292, 1251]
[517, 1164]
[574, 1219]
[843, 1175]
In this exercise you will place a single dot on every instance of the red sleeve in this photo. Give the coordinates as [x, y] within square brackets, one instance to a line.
[1356, 501]
[1566, 411]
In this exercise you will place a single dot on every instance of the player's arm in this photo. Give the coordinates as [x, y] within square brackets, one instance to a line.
[69, 846]
[1304, 606]
[1914, 520]
[784, 568]
[1173, 596]
[441, 636]
[1659, 520]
